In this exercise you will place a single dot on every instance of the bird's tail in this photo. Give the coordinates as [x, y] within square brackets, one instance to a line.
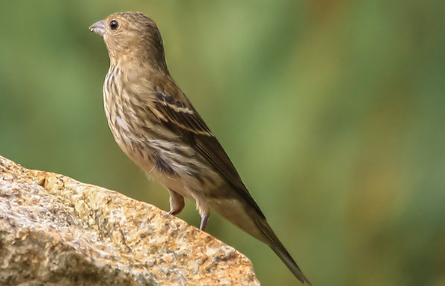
[272, 240]
[254, 223]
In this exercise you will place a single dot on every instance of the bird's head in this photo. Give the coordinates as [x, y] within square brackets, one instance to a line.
[131, 36]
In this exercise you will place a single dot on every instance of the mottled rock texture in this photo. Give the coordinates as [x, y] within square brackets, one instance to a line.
[57, 231]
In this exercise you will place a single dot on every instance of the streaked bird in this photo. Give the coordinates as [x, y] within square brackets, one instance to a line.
[158, 128]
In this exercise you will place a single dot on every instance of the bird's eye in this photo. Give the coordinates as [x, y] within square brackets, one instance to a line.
[114, 24]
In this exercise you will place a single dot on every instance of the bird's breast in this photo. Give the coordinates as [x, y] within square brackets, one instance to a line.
[129, 125]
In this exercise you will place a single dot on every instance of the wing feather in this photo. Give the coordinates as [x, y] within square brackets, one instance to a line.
[180, 116]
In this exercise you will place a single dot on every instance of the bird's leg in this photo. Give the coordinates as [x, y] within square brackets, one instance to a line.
[204, 211]
[176, 202]
[204, 219]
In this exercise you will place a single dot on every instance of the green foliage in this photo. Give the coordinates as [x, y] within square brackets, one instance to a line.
[332, 113]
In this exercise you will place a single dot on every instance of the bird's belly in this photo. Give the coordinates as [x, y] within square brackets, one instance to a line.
[187, 174]
[130, 138]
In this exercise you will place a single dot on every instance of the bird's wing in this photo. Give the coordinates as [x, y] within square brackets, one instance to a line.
[178, 114]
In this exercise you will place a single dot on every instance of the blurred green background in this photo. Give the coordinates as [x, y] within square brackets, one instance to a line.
[332, 111]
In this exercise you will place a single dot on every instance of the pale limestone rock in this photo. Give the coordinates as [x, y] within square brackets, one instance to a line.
[57, 231]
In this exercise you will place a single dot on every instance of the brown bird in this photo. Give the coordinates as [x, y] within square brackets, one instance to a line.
[159, 129]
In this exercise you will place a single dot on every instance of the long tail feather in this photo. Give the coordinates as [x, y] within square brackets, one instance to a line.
[275, 244]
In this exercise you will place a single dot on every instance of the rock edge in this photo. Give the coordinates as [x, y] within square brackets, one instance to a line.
[55, 230]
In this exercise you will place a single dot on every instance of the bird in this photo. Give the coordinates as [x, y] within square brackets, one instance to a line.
[157, 127]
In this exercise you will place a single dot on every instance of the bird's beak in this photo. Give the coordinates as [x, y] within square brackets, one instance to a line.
[98, 28]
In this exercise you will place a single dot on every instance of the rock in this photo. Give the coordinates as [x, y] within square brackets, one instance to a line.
[57, 231]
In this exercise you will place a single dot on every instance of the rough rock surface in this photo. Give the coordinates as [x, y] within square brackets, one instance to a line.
[57, 231]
